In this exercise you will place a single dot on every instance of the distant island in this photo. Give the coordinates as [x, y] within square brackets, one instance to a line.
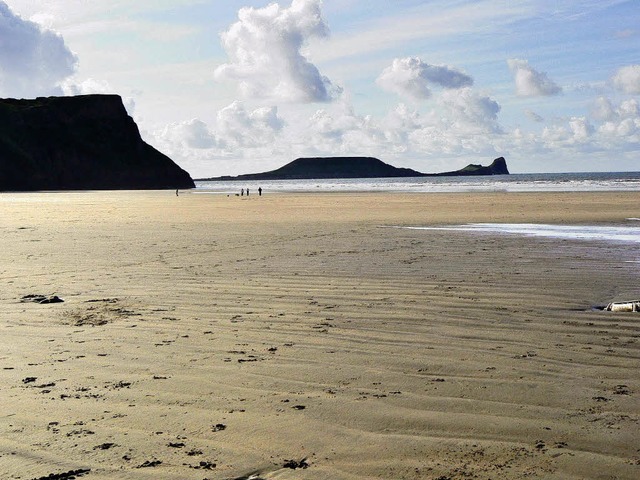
[84, 142]
[357, 167]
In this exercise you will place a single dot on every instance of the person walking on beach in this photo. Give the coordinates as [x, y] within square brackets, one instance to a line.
[247, 192]
[259, 191]
[242, 192]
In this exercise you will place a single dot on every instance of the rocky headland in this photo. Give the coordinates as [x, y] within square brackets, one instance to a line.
[86, 142]
[358, 167]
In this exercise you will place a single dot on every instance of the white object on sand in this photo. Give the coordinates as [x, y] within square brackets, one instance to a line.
[633, 306]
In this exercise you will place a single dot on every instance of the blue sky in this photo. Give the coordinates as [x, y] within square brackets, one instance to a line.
[229, 87]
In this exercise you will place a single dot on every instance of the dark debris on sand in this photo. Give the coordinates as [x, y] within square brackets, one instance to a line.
[42, 299]
[70, 475]
[293, 464]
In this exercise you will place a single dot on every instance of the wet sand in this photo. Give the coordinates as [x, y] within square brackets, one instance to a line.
[294, 336]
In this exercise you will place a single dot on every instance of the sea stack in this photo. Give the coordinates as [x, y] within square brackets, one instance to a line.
[85, 142]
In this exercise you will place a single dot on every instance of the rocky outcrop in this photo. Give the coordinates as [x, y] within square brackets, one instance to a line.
[497, 167]
[86, 142]
[357, 167]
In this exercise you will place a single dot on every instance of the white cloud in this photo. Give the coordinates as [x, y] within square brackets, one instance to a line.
[581, 129]
[193, 133]
[235, 129]
[240, 128]
[602, 109]
[265, 53]
[629, 109]
[399, 125]
[232, 143]
[33, 61]
[86, 87]
[530, 82]
[461, 122]
[627, 79]
[625, 133]
[411, 78]
[621, 123]
[617, 127]
[341, 131]
[471, 110]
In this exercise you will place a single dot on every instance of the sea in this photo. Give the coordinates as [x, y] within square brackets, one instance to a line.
[528, 182]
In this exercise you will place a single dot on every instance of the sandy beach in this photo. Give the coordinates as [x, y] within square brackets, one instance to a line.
[298, 336]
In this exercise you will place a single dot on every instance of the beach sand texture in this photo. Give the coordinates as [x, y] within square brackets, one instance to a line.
[294, 336]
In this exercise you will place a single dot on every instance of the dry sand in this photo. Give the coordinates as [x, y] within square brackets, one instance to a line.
[292, 336]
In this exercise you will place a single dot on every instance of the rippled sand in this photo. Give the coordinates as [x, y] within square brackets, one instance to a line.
[292, 336]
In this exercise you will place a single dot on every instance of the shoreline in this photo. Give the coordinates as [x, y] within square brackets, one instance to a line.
[292, 337]
[529, 182]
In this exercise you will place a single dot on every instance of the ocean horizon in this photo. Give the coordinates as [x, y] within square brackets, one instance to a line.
[522, 182]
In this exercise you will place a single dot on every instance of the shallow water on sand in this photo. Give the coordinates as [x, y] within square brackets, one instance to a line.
[570, 232]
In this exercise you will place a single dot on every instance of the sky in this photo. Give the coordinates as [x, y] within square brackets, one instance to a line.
[226, 87]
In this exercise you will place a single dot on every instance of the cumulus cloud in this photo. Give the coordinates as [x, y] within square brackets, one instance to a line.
[33, 61]
[577, 134]
[629, 109]
[412, 78]
[234, 128]
[248, 129]
[530, 82]
[620, 123]
[581, 129]
[236, 138]
[627, 79]
[625, 132]
[340, 130]
[612, 127]
[604, 109]
[193, 133]
[86, 87]
[265, 53]
[461, 122]
[472, 109]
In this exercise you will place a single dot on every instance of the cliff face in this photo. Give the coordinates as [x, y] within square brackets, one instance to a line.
[87, 142]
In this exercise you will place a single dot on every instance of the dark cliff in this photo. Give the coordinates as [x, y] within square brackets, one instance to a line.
[358, 167]
[86, 142]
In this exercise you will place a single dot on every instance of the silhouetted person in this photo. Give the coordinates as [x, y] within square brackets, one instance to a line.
[247, 192]
[259, 191]
[242, 192]
[176, 192]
